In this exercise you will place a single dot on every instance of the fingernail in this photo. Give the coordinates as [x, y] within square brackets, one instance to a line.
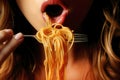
[19, 36]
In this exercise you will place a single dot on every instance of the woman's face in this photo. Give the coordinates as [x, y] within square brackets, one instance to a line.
[67, 12]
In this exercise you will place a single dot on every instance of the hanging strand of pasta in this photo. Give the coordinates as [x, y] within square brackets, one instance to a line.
[57, 41]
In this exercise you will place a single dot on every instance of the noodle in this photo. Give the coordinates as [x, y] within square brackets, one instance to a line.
[57, 41]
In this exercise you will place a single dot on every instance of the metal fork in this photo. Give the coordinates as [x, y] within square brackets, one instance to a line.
[80, 38]
[77, 37]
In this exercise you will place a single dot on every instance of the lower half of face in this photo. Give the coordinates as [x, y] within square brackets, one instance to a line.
[67, 12]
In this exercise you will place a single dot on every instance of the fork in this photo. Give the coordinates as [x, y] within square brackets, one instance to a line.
[77, 37]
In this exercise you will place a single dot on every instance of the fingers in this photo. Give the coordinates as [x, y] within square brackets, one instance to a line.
[5, 35]
[8, 43]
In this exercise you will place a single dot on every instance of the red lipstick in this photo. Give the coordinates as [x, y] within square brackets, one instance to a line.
[56, 10]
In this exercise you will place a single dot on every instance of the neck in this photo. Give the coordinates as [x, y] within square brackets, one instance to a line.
[79, 65]
[79, 52]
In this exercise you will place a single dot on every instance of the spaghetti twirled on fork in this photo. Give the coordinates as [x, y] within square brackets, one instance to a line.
[57, 41]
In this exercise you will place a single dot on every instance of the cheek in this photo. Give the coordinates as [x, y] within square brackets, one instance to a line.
[77, 12]
[31, 10]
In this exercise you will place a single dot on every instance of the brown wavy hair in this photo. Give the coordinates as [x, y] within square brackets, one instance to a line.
[5, 22]
[105, 60]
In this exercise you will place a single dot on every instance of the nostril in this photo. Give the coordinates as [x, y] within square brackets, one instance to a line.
[53, 10]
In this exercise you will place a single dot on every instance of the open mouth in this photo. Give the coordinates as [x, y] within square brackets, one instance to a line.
[53, 10]
[57, 12]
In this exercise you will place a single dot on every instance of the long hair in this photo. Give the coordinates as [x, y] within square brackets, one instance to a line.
[105, 58]
[5, 22]
[108, 61]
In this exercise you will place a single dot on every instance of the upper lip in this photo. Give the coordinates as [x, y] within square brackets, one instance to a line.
[59, 19]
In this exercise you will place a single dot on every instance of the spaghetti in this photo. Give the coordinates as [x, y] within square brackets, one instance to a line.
[57, 41]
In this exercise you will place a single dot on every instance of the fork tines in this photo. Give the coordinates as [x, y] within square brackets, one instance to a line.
[80, 38]
[77, 37]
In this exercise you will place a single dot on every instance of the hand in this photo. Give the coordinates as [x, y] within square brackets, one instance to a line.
[8, 43]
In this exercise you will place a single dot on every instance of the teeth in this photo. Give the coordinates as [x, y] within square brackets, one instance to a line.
[53, 10]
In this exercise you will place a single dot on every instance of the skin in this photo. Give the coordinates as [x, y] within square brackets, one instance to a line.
[8, 43]
[31, 10]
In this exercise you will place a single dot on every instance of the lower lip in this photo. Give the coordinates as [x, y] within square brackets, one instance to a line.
[60, 19]
[57, 19]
